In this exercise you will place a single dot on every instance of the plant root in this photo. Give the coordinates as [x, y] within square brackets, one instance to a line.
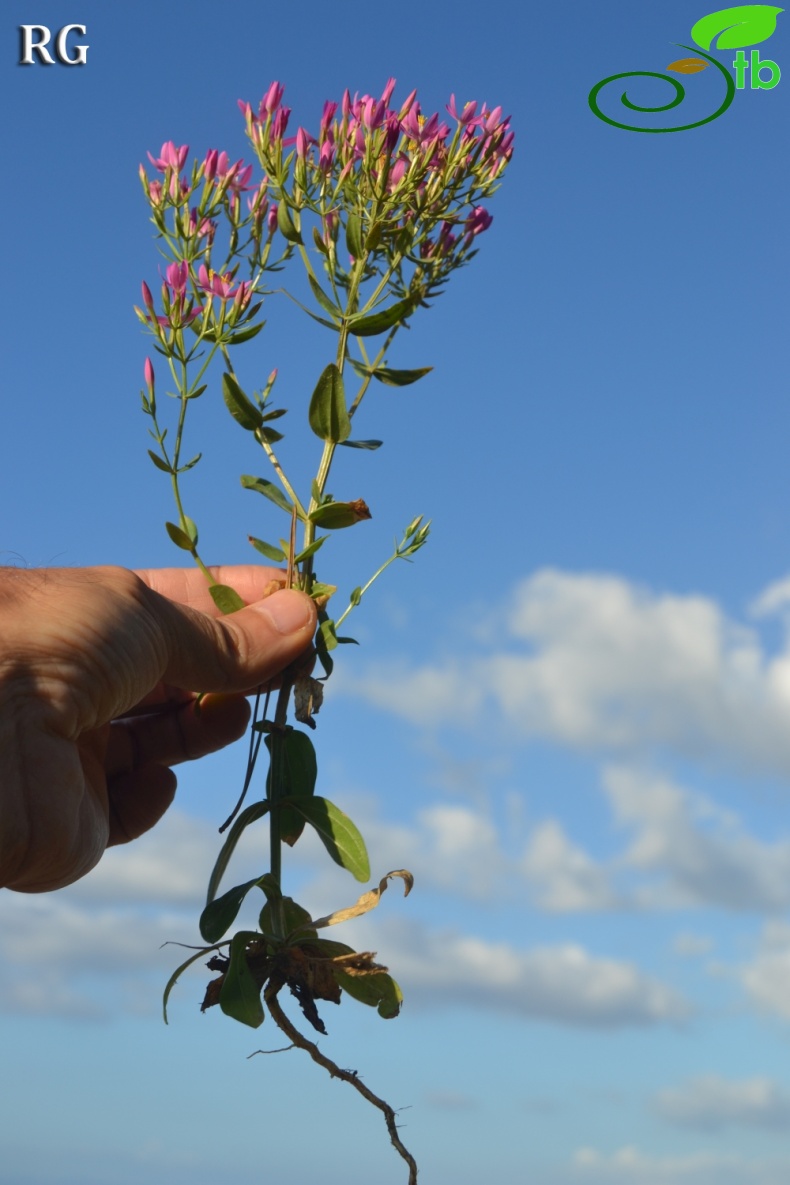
[301, 1042]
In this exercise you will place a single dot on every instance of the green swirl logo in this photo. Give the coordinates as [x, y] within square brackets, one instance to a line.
[730, 28]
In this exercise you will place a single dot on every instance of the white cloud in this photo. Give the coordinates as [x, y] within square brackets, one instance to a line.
[563, 876]
[169, 865]
[595, 662]
[564, 984]
[689, 945]
[711, 1103]
[630, 1166]
[700, 854]
[766, 978]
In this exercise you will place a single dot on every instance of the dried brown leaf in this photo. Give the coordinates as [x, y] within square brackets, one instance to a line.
[368, 900]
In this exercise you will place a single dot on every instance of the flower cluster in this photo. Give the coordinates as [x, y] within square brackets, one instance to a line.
[410, 183]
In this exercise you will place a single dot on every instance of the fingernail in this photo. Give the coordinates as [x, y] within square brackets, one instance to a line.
[289, 610]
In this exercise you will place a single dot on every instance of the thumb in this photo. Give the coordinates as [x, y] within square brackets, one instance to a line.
[240, 651]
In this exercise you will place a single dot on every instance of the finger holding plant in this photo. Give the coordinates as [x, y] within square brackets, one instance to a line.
[380, 206]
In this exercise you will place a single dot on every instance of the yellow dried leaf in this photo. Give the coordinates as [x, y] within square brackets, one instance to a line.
[687, 65]
[367, 901]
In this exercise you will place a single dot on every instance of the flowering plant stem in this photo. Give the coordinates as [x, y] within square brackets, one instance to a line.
[392, 201]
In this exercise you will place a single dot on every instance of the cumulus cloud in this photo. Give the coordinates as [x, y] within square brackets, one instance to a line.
[630, 1166]
[766, 979]
[169, 865]
[700, 854]
[563, 876]
[710, 1103]
[595, 662]
[564, 983]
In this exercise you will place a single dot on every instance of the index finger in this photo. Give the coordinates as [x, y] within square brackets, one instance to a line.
[188, 586]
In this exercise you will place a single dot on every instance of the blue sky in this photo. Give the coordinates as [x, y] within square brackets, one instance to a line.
[568, 717]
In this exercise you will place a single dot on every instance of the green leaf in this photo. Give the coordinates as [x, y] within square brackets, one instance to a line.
[271, 552]
[160, 464]
[328, 414]
[275, 413]
[319, 242]
[189, 465]
[268, 489]
[245, 335]
[239, 406]
[294, 916]
[269, 435]
[173, 980]
[369, 326]
[747, 24]
[356, 596]
[179, 537]
[299, 771]
[322, 654]
[225, 598]
[378, 991]
[249, 815]
[354, 235]
[286, 224]
[219, 915]
[325, 302]
[338, 834]
[197, 392]
[310, 550]
[400, 378]
[327, 632]
[240, 995]
[366, 444]
[333, 516]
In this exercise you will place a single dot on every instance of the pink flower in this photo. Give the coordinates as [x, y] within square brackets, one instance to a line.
[372, 113]
[326, 156]
[243, 293]
[272, 99]
[280, 122]
[386, 94]
[215, 284]
[215, 164]
[328, 115]
[170, 158]
[207, 226]
[303, 140]
[177, 276]
[148, 371]
[398, 171]
[407, 106]
[467, 112]
[238, 176]
[271, 219]
[148, 299]
[478, 221]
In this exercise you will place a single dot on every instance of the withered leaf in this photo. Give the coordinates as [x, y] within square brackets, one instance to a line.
[359, 963]
[368, 900]
[308, 697]
[687, 65]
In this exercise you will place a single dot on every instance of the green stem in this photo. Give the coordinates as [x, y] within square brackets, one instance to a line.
[276, 786]
[364, 589]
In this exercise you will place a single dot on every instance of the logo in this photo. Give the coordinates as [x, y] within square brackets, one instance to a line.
[730, 28]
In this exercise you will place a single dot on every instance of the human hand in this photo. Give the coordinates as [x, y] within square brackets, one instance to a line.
[99, 672]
